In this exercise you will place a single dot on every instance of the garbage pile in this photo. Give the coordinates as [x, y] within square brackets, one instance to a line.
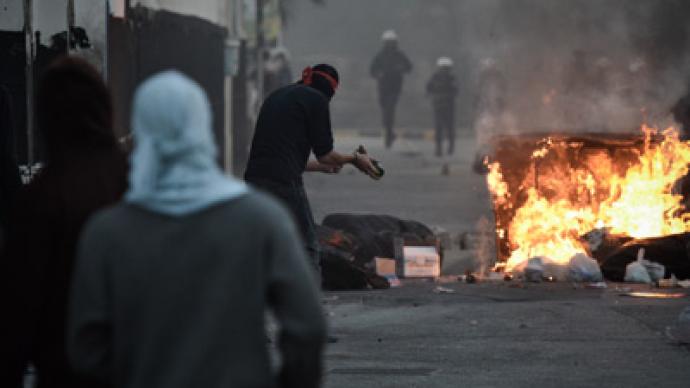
[661, 260]
[350, 244]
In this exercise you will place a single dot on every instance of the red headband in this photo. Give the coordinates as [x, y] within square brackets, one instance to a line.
[308, 73]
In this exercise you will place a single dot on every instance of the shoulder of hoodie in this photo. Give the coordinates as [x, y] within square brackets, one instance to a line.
[262, 209]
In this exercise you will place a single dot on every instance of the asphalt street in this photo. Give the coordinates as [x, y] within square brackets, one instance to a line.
[490, 334]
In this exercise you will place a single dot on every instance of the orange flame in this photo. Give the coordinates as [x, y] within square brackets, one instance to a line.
[564, 202]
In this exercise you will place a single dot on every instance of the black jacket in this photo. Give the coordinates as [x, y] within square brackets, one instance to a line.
[388, 67]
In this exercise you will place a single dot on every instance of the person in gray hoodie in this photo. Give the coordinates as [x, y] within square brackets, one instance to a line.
[171, 285]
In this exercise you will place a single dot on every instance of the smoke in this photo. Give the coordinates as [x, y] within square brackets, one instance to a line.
[634, 57]
[582, 65]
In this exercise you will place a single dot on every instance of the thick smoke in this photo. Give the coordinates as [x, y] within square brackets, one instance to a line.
[583, 65]
[571, 65]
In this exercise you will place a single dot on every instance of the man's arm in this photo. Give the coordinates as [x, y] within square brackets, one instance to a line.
[357, 159]
[316, 166]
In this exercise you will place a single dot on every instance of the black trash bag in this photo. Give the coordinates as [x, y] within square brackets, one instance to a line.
[338, 269]
[670, 251]
[374, 234]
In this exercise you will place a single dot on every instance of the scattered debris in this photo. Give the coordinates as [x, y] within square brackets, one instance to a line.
[595, 238]
[443, 290]
[393, 281]
[445, 169]
[470, 278]
[597, 285]
[582, 268]
[684, 283]
[667, 283]
[534, 271]
[448, 279]
[656, 271]
[636, 272]
[384, 266]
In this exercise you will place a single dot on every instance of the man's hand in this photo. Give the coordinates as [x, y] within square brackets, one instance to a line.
[358, 159]
[364, 164]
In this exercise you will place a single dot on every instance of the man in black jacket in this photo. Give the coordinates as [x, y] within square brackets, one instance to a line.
[294, 122]
[442, 88]
[388, 68]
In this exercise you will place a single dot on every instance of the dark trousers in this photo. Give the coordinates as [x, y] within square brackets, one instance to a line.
[444, 121]
[295, 199]
[388, 102]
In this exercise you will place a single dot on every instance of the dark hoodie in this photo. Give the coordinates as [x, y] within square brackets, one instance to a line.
[85, 171]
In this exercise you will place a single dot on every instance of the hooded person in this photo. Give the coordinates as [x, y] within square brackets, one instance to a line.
[198, 258]
[85, 171]
[442, 88]
[294, 122]
[388, 68]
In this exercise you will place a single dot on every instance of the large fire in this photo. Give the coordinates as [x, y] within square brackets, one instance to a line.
[563, 197]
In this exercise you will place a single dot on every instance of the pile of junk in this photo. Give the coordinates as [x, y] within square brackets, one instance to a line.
[361, 251]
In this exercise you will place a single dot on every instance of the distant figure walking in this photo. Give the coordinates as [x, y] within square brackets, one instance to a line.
[85, 171]
[388, 68]
[442, 88]
[171, 285]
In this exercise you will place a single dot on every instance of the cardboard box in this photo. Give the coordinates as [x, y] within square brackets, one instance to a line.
[385, 266]
[420, 262]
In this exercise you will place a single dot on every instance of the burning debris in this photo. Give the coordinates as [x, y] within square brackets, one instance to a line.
[559, 198]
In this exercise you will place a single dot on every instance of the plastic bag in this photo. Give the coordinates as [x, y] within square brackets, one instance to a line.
[655, 270]
[534, 271]
[582, 268]
[636, 272]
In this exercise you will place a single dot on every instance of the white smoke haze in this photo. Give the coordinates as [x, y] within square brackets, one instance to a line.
[633, 55]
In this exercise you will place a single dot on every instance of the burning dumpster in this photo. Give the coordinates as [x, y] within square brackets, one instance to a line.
[551, 192]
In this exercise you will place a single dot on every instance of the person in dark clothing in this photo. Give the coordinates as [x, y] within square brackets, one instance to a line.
[681, 114]
[443, 89]
[10, 180]
[294, 121]
[85, 171]
[199, 258]
[388, 68]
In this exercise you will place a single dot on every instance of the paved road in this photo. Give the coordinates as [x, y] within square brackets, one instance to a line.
[494, 335]
[484, 335]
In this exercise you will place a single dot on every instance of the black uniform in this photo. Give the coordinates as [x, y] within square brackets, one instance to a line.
[443, 89]
[388, 67]
[294, 121]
